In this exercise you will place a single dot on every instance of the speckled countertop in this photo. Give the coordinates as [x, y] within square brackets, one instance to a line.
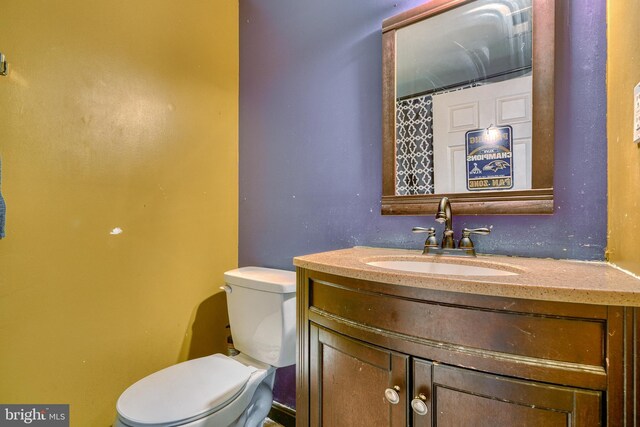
[536, 278]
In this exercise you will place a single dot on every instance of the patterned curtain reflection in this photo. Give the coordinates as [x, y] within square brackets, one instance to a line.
[414, 146]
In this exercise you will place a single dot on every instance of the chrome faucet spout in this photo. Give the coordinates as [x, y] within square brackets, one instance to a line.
[445, 215]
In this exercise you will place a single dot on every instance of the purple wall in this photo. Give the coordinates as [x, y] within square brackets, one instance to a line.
[310, 139]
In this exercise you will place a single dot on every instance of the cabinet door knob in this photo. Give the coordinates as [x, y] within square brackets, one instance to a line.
[418, 404]
[392, 395]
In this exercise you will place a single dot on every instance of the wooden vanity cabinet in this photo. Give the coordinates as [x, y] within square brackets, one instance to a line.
[475, 360]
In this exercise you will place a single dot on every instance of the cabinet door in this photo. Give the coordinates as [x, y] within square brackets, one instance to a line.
[422, 386]
[461, 397]
[348, 380]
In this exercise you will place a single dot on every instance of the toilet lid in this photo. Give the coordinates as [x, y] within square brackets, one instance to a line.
[184, 391]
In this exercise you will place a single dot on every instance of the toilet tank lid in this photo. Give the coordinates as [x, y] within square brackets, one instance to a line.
[263, 279]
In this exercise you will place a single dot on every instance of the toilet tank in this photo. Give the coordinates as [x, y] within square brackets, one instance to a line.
[262, 313]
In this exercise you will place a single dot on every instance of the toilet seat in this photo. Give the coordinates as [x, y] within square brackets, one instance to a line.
[184, 392]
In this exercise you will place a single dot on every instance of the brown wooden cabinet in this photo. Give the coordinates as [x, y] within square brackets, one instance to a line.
[462, 397]
[348, 382]
[470, 360]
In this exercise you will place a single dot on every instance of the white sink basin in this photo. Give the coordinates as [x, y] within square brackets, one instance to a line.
[440, 268]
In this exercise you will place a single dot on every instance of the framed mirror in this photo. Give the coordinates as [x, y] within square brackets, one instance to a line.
[468, 107]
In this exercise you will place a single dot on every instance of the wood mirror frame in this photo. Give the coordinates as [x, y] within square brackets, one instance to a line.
[537, 200]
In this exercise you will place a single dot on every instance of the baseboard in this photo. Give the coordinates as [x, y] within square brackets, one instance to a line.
[283, 415]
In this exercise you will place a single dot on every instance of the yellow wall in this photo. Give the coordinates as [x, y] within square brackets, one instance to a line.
[116, 113]
[623, 73]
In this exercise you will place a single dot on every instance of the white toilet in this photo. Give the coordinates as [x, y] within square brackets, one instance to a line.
[218, 390]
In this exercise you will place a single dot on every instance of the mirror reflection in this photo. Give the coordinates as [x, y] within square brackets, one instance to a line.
[463, 117]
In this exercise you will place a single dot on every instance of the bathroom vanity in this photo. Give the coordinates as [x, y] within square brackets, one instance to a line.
[534, 342]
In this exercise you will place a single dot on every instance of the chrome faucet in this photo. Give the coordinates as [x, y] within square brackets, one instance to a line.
[444, 215]
[448, 244]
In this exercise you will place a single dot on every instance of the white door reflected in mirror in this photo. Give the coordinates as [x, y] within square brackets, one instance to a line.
[495, 104]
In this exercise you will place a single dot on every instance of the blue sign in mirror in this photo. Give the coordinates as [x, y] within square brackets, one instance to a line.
[489, 158]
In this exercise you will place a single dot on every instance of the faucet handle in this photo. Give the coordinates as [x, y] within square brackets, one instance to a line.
[429, 230]
[431, 236]
[466, 232]
[465, 242]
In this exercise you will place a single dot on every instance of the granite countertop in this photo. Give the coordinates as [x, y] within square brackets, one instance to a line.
[536, 278]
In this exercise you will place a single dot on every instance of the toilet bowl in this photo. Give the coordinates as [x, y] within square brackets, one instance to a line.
[218, 390]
